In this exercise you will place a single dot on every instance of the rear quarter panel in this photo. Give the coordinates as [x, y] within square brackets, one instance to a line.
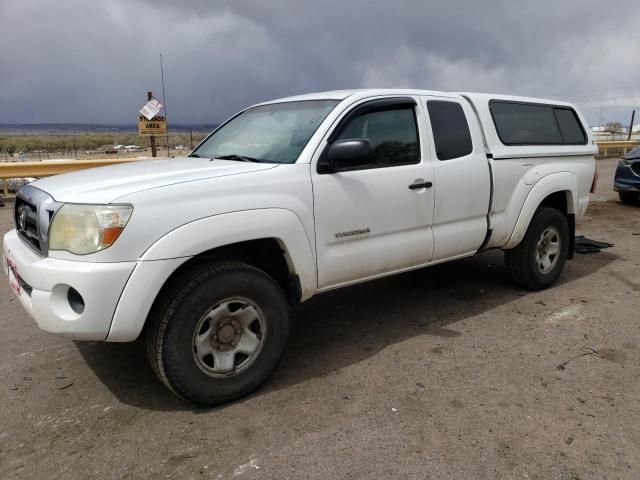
[525, 174]
[522, 184]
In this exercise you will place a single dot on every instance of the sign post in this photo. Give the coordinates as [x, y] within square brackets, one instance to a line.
[149, 123]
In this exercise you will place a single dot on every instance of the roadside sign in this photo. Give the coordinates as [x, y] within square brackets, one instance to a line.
[156, 126]
[151, 108]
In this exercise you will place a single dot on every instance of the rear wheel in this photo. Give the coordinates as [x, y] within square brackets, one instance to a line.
[220, 334]
[629, 197]
[538, 260]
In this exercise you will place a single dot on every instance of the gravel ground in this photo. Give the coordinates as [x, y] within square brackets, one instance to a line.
[444, 373]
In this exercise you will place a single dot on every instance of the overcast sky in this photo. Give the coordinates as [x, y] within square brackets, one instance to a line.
[93, 61]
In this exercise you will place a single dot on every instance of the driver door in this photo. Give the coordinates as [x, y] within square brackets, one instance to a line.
[375, 219]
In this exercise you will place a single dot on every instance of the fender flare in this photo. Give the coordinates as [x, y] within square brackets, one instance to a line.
[228, 228]
[161, 259]
[553, 183]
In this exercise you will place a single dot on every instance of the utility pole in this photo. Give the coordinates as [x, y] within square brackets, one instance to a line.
[191, 135]
[601, 119]
[164, 100]
[152, 138]
[633, 116]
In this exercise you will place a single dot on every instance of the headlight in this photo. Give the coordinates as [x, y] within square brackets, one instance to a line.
[84, 229]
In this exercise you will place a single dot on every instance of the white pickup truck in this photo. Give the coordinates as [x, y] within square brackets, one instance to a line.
[287, 199]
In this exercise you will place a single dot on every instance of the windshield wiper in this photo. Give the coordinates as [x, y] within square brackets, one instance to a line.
[195, 155]
[241, 158]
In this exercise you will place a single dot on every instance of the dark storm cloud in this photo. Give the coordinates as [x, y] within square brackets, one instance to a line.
[78, 61]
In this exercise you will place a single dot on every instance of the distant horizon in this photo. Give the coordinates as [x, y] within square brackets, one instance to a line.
[114, 124]
[66, 128]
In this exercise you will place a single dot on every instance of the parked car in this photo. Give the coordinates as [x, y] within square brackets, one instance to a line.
[203, 254]
[14, 184]
[627, 179]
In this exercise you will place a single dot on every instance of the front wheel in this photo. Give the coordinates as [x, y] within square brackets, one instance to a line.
[220, 334]
[538, 260]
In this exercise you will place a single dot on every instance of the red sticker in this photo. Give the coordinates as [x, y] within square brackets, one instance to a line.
[13, 277]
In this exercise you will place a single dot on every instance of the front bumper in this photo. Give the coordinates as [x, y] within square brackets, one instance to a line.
[42, 286]
[626, 180]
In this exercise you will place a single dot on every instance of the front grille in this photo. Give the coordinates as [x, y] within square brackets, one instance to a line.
[26, 219]
[32, 214]
[636, 168]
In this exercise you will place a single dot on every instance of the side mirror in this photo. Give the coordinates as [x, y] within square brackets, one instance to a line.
[349, 154]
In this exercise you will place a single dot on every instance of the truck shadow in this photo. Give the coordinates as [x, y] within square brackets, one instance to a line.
[349, 325]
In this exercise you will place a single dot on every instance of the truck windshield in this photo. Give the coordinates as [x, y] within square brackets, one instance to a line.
[275, 133]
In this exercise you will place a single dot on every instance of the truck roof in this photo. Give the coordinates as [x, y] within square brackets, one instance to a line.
[359, 93]
[370, 92]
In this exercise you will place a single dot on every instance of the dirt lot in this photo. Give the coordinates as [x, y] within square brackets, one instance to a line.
[443, 373]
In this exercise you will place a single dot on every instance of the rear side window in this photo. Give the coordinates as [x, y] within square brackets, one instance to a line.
[536, 124]
[392, 132]
[450, 129]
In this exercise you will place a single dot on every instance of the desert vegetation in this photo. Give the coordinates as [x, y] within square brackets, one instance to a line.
[80, 144]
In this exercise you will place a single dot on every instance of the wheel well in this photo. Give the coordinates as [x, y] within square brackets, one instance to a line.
[265, 254]
[557, 200]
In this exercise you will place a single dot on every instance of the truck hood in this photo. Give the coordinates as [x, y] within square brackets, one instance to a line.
[107, 184]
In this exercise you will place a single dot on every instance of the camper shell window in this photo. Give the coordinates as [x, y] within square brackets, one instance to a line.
[520, 123]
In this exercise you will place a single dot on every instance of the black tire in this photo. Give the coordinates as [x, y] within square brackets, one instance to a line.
[521, 264]
[631, 198]
[171, 334]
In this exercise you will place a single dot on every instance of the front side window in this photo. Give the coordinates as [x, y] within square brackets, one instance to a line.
[450, 129]
[274, 133]
[536, 124]
[392, 133]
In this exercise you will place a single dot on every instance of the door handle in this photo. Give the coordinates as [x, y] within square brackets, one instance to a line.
[416, 186]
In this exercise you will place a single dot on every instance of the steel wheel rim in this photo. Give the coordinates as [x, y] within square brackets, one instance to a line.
[548, 249]
[229, 337]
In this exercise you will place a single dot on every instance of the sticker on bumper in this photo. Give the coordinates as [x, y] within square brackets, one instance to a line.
[12, 276]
